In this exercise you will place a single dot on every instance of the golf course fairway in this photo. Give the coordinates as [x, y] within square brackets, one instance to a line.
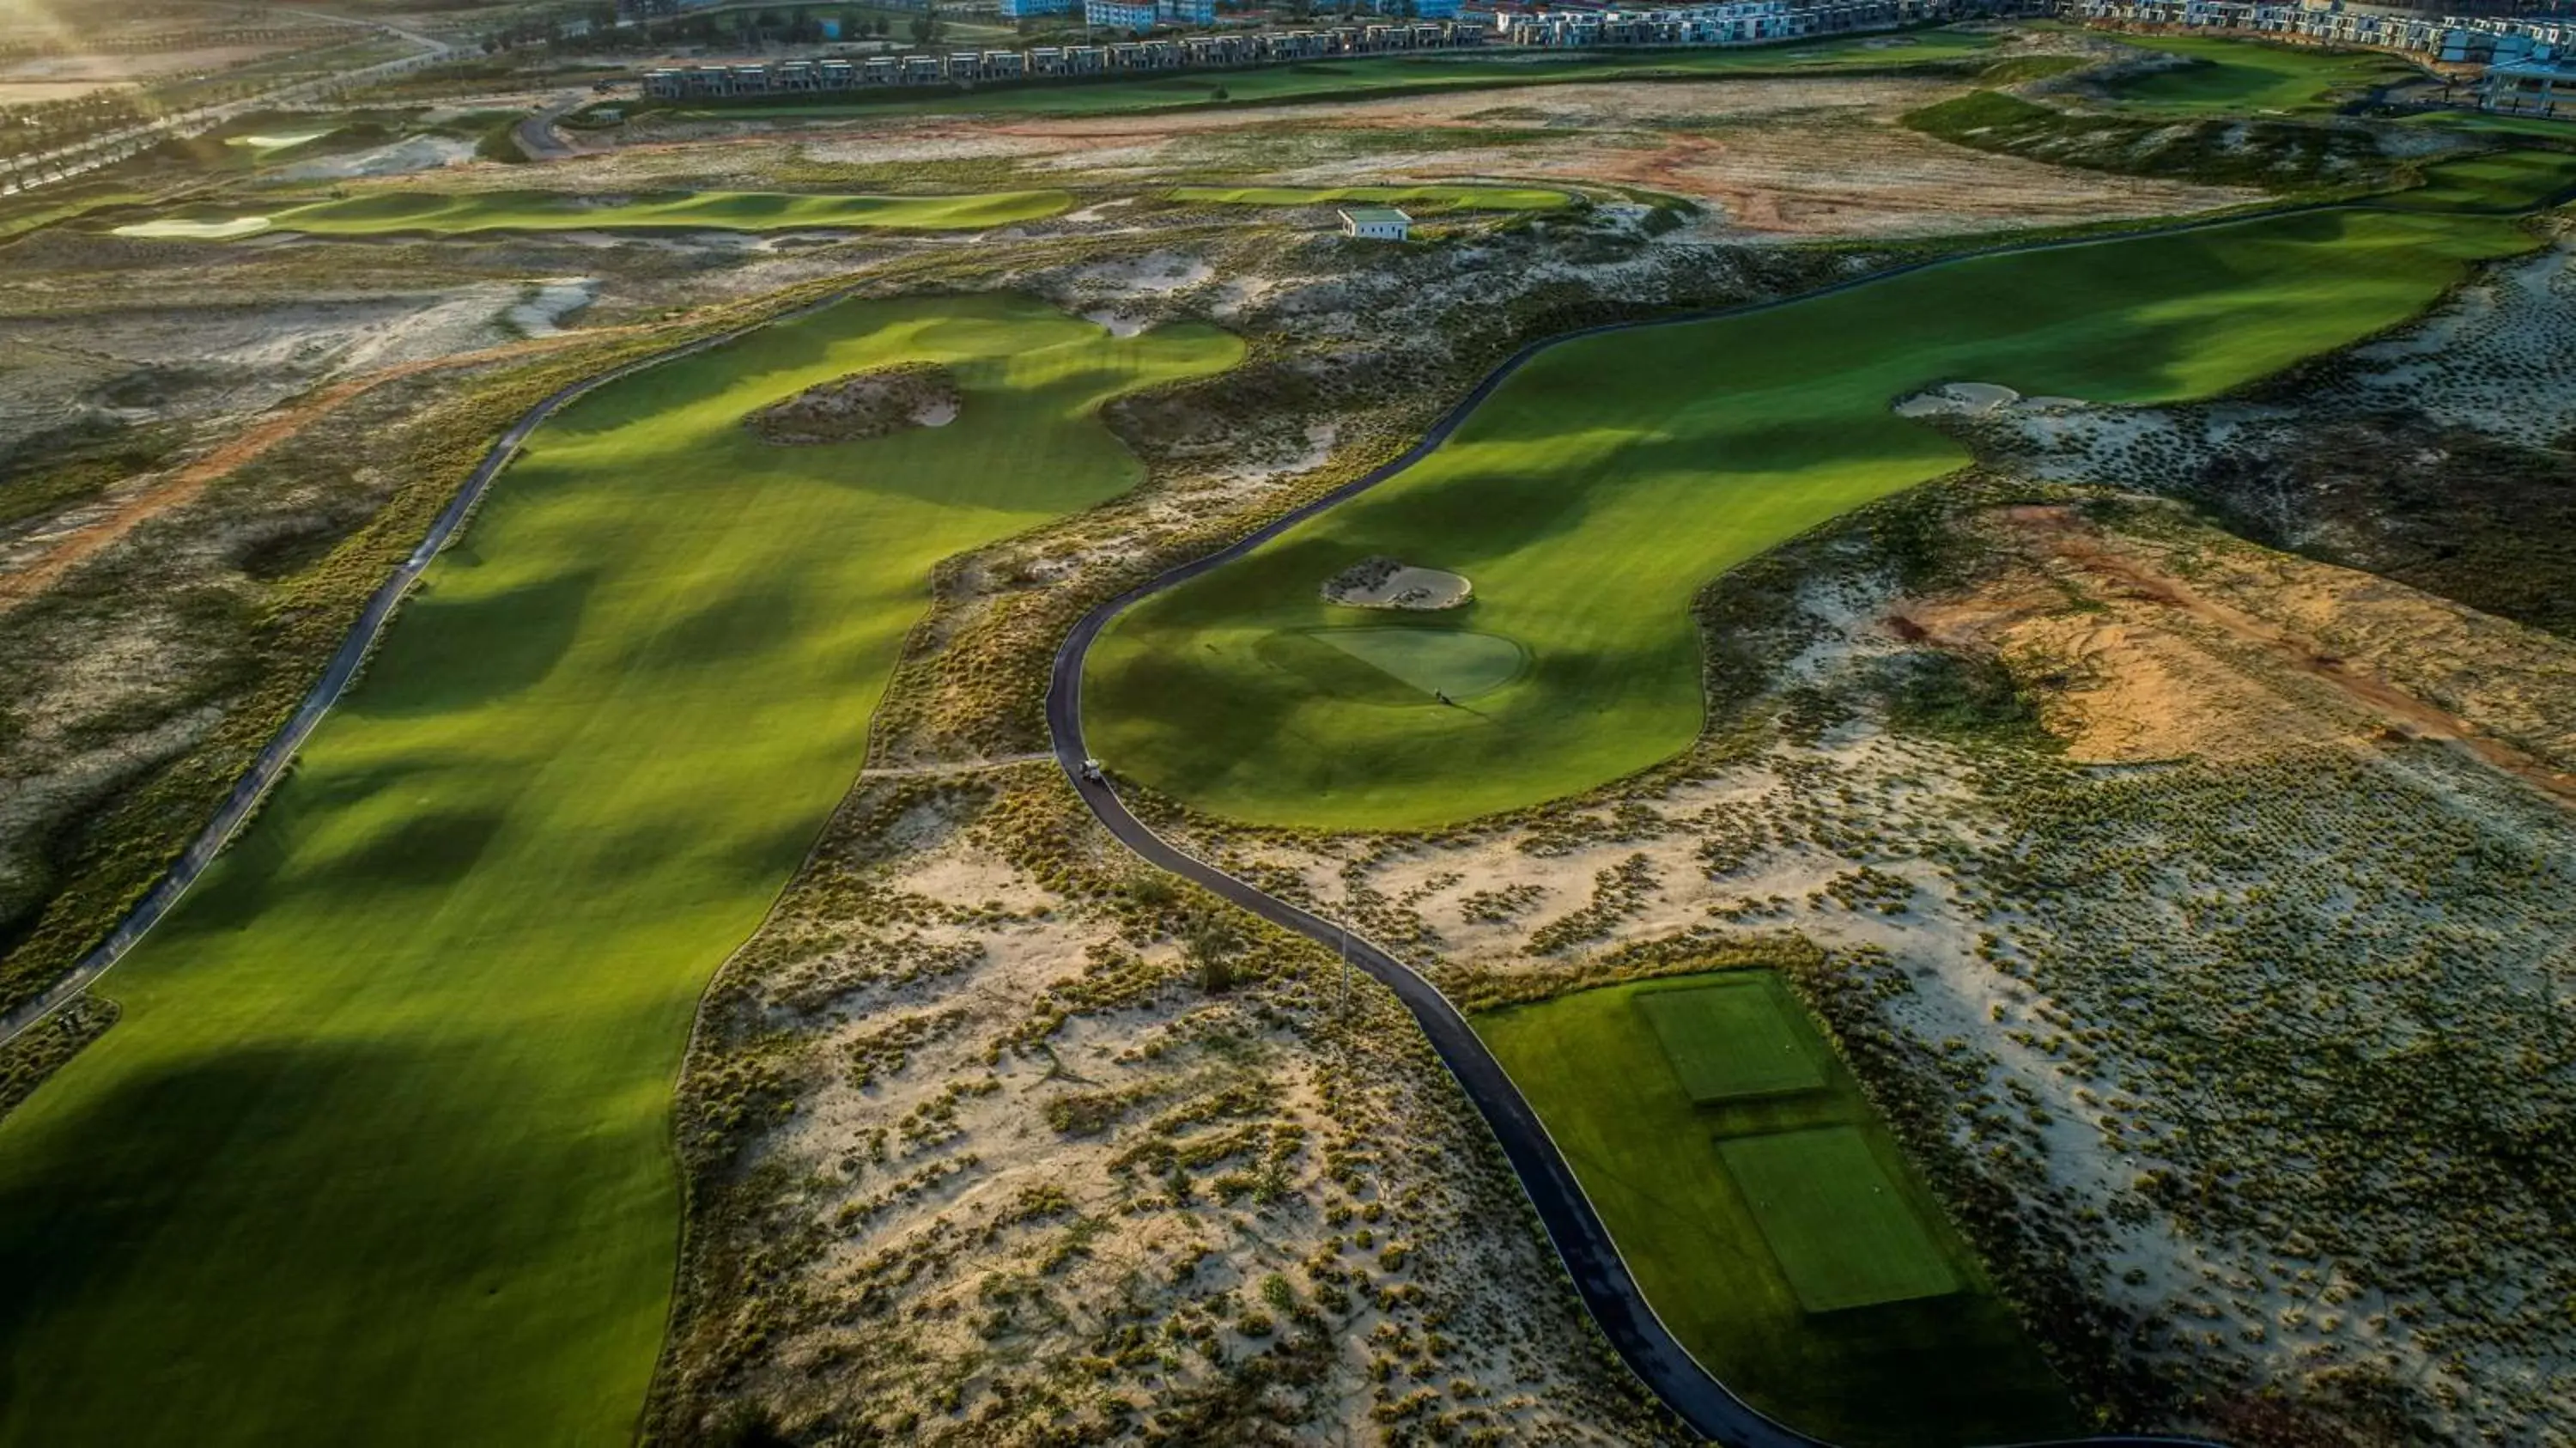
[1593, 493]
[380, 1152]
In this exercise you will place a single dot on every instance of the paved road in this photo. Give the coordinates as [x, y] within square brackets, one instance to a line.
[538, 138]
[94, 152]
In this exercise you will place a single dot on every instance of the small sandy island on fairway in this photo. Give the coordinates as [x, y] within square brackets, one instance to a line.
[1388, 583]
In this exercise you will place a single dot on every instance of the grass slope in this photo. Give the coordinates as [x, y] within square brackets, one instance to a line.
[2279, 156]
[1948, 1368]
[2505, 181]
[463, 213]
[380, 1152]
[1405, 75]
[1604, 483]
[1417, 198]
[2233, 76]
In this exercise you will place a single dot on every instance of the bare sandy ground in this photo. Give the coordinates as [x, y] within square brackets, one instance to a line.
[1810, 157]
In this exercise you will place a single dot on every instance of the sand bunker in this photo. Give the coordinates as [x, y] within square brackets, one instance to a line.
[1977, 399]
[1388, 583]
[861, 405]
[172, 228]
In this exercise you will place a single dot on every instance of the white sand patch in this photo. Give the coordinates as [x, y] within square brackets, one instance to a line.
[1958, 399]
[549, 302]
[936, 414]
[401, 158]
[279, 143]
[1387, 583]
[1098, 212]
[1120, 324]
[1155, 274]
[172, 228]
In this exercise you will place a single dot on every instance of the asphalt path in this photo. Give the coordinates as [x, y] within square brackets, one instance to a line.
[95, 152]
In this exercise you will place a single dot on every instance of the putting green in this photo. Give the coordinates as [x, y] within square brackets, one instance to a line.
[1906, 1343]
[1603, 484]
[1843, 1233]
[1432, 661]
[1729, 1040]
[464, 213]
[1420, 198]
[381, 1150]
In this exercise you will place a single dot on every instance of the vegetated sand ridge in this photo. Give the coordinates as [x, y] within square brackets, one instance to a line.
[1391, 583]
[1040, 1179]
[2159, 699]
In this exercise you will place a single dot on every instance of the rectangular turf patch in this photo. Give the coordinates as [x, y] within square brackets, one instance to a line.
[1845, 1236]
[1731, 1039]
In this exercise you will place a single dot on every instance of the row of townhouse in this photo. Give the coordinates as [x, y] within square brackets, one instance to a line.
[1136, 15]
[1741, 22]
[1190, 52]
[2454, 39]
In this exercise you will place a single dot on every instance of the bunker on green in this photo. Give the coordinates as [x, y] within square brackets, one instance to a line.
[380, 1151]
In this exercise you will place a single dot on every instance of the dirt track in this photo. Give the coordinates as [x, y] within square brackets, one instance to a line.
[187, 482]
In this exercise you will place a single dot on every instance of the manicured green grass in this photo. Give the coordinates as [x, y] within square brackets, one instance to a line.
[2506, 181]
[1730, 1039]
[1602, 485]
[381, 1150]
[2252, 76]
[1842, 1232]
[1417, 198]
[1401, 75]
[2482, 123]
[463, 213]
[1907, 1367]
[1430, 662]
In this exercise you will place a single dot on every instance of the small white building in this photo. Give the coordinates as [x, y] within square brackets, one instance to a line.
[1376, 223]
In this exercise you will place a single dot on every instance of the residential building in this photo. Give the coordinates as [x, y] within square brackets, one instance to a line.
[1376, 223]
[1119, 14]
[1029, 9]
